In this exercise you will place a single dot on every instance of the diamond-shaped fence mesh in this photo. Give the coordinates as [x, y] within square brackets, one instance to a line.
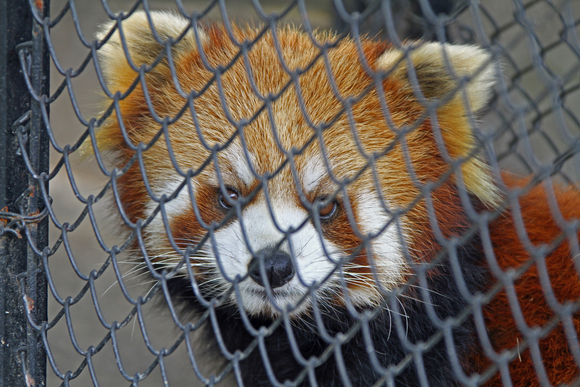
[268, 193]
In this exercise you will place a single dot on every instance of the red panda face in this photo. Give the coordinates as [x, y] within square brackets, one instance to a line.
[284, 167]
[277, 227]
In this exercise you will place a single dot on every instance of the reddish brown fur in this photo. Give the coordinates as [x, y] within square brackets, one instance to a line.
[322, 105]
[541, 228]
[132, 193]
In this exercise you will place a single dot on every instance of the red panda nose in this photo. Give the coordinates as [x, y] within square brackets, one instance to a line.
[278, 265]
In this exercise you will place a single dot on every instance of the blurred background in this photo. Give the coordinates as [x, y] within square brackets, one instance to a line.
[532, 122]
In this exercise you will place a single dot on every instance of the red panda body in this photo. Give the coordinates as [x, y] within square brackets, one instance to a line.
[536, 300]
[303, 176]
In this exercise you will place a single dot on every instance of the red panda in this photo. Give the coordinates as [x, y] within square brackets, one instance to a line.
[325, 195]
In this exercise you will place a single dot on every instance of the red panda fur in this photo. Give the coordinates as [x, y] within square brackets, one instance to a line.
[408, 161]
[542, 229]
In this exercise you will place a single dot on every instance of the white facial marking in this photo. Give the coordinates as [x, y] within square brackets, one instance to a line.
[389, 262]
[167, 187]
[311, 262]
[313, 173]
[234, 156]
[156, 232]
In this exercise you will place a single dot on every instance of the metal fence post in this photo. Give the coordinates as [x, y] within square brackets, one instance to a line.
[23, 232]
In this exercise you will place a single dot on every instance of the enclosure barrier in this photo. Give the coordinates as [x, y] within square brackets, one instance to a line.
[60, 322]
[23, 213]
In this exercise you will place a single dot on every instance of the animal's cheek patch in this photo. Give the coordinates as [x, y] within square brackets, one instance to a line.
[339, 231]
[230, 252]
[385, 260]
[191, 219]
[184, 226]
[316, 257]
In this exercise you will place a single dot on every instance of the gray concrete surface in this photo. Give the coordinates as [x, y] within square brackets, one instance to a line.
[89, 256]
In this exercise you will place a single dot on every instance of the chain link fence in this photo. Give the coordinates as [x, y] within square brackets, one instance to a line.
[104, 274]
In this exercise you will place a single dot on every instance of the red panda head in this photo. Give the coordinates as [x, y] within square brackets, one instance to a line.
[284, 162]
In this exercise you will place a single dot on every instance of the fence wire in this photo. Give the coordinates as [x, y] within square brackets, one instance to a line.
[201, 234]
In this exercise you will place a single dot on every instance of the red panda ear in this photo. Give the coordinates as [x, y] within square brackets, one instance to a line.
[440, 68]
[449, 72]
[143, 46]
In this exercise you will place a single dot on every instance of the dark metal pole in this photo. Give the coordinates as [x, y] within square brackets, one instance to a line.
[22, 279]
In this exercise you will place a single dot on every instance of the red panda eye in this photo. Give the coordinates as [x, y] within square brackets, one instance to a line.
[328, 210]
[227, 201]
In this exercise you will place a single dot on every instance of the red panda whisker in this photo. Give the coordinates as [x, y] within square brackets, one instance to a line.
[109, 288]
[139, 271]
[400, 314]
[154, 282]
[408, 297]
[136, 270]
[363, 279]
[142, 283]
[306, 243]
[201, 264]
[404, 315]
[139, 268]
[132, 263]
[216, 279]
